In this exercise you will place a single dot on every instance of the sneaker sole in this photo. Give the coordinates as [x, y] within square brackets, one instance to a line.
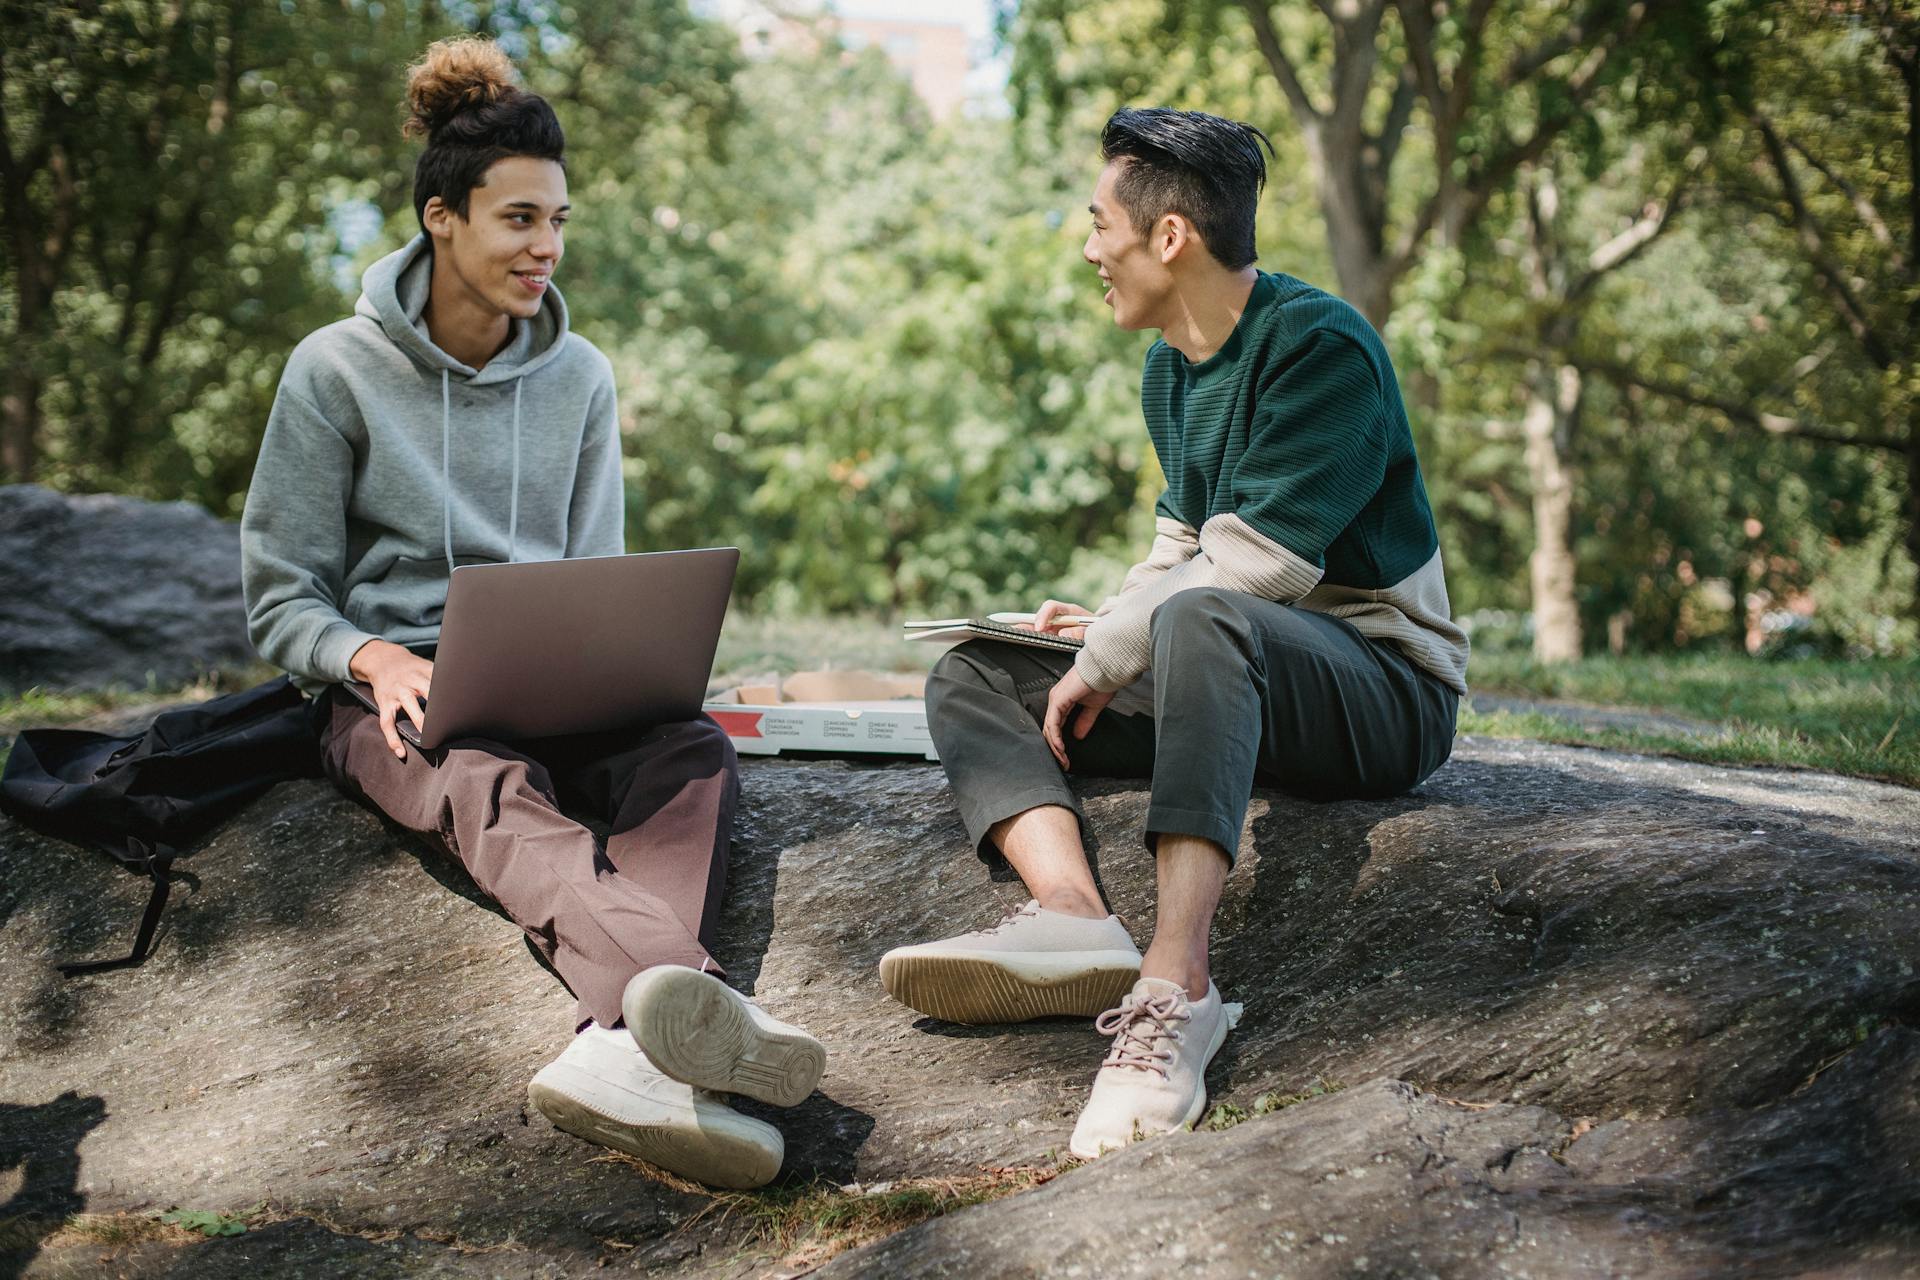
[692, 1027]
[974, 989]
[713, 1146]
[1196, 1109]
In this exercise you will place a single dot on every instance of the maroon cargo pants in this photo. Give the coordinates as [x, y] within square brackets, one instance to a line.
[599, 915]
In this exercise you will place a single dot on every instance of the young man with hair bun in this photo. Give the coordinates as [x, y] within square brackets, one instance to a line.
[1289, 625]
[454, 419]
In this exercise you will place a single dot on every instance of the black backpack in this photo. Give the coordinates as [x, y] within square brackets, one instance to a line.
[147, 799]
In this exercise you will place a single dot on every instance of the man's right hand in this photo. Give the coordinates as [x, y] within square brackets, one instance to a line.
[400, 679]
[1043, 619]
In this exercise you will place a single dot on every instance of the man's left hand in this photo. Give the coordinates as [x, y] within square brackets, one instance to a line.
[1070, 693]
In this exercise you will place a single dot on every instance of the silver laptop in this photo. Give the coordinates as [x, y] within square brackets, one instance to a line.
[574, 646]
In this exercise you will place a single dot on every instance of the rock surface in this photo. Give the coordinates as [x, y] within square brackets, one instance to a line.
[102, 591]
[1384, 1179]
[1592, 1014]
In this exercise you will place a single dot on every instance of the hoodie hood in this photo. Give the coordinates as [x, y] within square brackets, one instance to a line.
[386, 463]
[394, 296]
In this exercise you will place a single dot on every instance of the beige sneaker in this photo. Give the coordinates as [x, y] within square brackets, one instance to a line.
[699, 1030]
[603, 1089]
[1154, 1079]
[1034, 964]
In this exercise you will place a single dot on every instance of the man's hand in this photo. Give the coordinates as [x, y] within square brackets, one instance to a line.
[1043, 621]
[1069, 693]
[400, 679]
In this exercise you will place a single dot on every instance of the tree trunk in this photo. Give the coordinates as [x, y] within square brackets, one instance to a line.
[20, 408]
[20, 418]
[1913, 505]
[1358, 263]
[20, 398]
[1553, 405]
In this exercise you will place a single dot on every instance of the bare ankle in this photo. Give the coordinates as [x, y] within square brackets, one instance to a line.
[1073, 903]
[1189, 975]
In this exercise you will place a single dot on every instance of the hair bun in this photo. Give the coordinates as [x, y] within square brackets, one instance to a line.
[454, 76]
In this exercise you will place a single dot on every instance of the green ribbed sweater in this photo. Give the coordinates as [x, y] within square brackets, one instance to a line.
[1296, 426]
[1291, 475]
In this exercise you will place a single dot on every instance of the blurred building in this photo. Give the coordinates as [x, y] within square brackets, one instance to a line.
[935, 56]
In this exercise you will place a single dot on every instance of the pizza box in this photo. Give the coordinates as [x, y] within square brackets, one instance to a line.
[842, 712]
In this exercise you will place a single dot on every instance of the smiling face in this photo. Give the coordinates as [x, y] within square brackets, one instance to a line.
[1133, 267]
[504, 252]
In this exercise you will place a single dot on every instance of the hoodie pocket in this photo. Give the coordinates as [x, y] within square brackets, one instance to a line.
[407, 593]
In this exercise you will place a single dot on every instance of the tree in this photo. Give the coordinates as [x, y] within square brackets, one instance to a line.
[912, 397]
[1488, 85]
[1824, 165]
[166, 171]
[1491, 96]
[1562, 283]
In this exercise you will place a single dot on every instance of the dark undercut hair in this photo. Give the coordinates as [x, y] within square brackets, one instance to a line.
[462, 98]
[1206, 169]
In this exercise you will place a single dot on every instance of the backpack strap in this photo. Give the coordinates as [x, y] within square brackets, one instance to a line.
[157, 861]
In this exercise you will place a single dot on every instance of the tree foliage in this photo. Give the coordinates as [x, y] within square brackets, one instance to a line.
[1431, 132]
[166, 174]
[1650, 271]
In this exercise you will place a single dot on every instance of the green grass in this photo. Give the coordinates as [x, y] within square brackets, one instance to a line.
[38, 708]
[1226, 1115]
[1860, 718]
[210, 1222]
[1853, 717]
[765, 644]
[814, 1222]
[119, 1230]
[809, 1222]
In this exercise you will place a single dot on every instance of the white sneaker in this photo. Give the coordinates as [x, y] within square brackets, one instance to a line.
[1154, 1079]
[1034, 964]
[604, 1090]
[699, 1030]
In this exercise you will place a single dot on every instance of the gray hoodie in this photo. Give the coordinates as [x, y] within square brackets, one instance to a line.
[387, 462]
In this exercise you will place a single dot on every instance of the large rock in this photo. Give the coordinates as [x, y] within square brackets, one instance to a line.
[1604, 1014]
[100, 591]
[1385, 1179]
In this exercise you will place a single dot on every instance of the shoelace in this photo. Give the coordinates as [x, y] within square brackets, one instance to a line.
[1140, 1031]
[1014, 917]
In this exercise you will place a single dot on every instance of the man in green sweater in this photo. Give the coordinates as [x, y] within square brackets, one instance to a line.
[1290, 625]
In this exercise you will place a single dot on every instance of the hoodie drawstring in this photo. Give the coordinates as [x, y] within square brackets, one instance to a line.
[446, 471]
[446, 466]
[513, 504]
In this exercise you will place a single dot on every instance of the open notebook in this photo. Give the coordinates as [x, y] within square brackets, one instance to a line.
[995, 626]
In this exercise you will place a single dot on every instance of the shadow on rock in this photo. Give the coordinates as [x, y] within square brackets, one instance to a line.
[87, 907]
[1610, 936]
[1530, 934]
[823, 1136]
[1384, 1179]
[1825, 1177]
[42, 1142]
[1550, 933]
